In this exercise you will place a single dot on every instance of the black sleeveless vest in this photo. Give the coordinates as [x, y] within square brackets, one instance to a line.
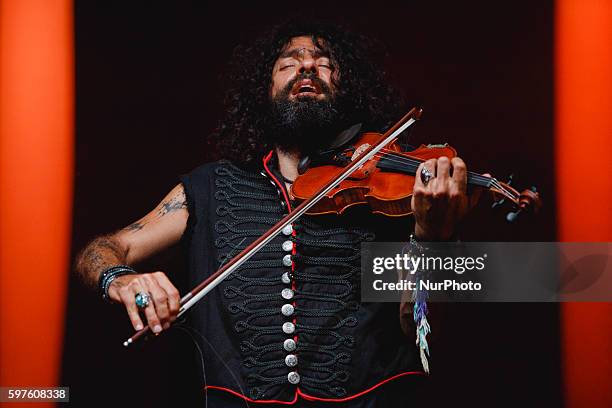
[289, 324]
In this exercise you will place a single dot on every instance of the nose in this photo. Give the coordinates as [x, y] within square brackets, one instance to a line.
[308, 65]
[307, 61]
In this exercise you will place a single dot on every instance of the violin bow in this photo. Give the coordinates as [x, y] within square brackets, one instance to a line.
[202, 289]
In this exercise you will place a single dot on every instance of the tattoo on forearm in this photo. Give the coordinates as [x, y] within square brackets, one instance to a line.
[100, 254]
[176, 202]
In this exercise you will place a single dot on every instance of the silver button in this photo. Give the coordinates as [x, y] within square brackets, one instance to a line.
[291, 360]
[293, 377]
[287, 246]
[288, 327]
[287, 309]
[289, 345]
[287, 293]
[285, 278]
[287, 260]
[288, 230]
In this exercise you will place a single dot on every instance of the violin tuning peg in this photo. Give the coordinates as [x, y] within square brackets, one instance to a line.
[512, 216]
[510, 177]
[497, 203]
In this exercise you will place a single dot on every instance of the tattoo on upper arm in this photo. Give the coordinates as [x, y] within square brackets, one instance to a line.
[176, 202]
[137, 226]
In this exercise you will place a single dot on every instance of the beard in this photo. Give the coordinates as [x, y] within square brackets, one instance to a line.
[303, 125]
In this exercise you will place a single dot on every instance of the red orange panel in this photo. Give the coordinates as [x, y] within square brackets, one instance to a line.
[583, 86]
[36, 178]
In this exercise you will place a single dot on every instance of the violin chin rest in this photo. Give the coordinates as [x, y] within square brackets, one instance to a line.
[345, 137]
[303, 164]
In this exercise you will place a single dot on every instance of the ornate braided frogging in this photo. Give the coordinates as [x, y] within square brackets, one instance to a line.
[326, 279]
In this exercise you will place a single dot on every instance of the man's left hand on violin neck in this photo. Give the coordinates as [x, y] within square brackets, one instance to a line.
[440, 200]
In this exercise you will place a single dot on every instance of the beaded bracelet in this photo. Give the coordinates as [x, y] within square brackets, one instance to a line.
[109, 275]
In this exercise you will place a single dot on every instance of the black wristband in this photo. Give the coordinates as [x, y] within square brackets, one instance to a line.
[109, 275]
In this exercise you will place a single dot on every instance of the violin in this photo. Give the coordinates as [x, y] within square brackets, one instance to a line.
[385, 182]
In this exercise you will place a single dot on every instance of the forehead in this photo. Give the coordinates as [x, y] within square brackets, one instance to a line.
[301, 42]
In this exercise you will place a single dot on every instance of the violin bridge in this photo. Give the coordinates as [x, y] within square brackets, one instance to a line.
[358, 151]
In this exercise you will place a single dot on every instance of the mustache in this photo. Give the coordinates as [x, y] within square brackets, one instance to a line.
[326, 89]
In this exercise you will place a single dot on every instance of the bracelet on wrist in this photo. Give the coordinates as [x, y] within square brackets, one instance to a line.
[109, 275]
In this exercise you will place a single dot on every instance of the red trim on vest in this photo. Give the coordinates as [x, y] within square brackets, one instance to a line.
[359, 394]
[265, 164]
[307, 397]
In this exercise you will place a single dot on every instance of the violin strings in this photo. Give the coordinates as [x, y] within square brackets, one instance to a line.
[475, 176]
[394, 157]
[397, 158]
[416, 162]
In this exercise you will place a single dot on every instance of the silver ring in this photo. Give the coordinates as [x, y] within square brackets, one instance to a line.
[426, 175]
[142, 299]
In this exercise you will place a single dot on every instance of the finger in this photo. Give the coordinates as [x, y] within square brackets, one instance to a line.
[459, 174]
[160, 300]
[174, 297]
[443, 169]
[149, 311]
[422, 189]
[127, 298]
[431, 165]
[418, 181]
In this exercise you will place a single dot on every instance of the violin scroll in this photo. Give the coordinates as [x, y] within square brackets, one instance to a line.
[527, 200]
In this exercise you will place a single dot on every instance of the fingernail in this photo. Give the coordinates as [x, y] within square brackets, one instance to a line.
[157, 328]
[139, 326]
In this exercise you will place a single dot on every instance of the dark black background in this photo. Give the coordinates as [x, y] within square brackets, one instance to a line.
[148, 92]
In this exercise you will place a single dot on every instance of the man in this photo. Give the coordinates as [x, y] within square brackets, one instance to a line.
[288, 326]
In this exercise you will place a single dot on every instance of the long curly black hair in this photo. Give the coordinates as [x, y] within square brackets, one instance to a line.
[362, 81]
